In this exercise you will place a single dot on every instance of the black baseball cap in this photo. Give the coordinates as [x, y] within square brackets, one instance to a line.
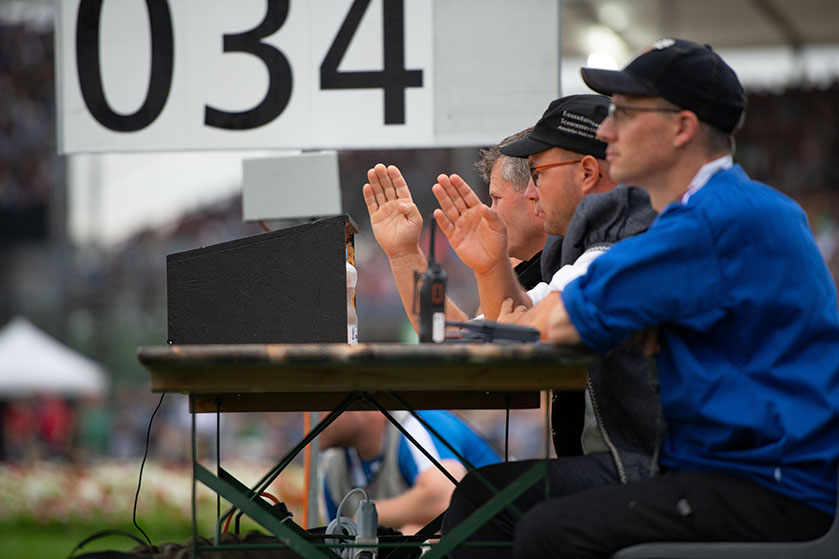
[569, 123]
[689, 75]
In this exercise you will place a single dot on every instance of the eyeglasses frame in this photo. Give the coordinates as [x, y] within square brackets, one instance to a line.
[613, 108]
[548, 166]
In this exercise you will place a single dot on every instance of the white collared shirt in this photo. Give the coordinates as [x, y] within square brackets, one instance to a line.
[705, 173]
[566, 274]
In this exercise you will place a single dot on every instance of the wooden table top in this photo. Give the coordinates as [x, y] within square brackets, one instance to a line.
[296, 377]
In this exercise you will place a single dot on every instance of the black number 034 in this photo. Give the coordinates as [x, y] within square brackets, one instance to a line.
[393, 79]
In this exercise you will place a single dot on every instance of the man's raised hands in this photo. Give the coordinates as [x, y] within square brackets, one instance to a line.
[474, 230]
[397, 226]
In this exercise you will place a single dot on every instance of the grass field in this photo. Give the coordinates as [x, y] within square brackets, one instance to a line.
[47, 509]
[29, 540]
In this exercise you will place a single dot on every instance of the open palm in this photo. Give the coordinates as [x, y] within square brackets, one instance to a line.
[395, 219]
[475, 231]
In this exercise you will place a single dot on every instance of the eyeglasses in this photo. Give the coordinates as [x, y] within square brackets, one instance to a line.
[619, 113]
[534, 171]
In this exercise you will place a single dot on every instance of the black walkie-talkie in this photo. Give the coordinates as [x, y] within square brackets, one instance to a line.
[432, 316]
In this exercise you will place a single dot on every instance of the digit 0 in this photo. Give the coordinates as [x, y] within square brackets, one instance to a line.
[90, 71]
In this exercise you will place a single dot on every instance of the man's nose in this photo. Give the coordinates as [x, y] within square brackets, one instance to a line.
[531, 192]
[606, 130]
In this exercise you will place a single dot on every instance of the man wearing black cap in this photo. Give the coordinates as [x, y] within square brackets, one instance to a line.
[749, 329]
[567, 164]
[572, 186]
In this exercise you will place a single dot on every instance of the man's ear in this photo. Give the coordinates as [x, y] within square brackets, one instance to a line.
[687, 127]
[590, 172]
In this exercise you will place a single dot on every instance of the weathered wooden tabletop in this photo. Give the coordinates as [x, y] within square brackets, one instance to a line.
[296, 377]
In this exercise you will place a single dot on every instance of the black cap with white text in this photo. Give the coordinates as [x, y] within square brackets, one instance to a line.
[569, 123]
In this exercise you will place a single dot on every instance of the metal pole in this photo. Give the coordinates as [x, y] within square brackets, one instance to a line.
[312, 512]
[559, 47]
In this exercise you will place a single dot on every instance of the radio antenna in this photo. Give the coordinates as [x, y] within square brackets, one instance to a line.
[431, 242]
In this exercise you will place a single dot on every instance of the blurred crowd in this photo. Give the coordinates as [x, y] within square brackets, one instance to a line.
[114, 299]
[792, 142]
[87, 430]
[28, 166]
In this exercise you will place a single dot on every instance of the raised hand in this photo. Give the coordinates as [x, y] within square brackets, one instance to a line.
[474, 230]
[396, 221]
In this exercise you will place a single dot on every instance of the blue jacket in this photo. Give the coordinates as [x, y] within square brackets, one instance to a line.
[749, 367]
[396, 469]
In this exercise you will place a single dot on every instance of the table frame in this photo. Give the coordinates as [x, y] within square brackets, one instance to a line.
[337, 377]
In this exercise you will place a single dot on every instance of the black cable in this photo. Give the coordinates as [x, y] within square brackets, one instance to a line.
[142, 464]
[103, 533]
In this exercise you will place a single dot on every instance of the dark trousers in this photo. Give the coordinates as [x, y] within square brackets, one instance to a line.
[675, 506]
[586, 513]
[566, 476]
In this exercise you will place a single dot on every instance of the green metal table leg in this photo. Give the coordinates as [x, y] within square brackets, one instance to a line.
[268, 478]
[487, 511]
[472, 470]
[259, 511]
[194, 498]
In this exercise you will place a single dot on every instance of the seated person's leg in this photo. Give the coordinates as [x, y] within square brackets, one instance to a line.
[684, 506]
[565, 476]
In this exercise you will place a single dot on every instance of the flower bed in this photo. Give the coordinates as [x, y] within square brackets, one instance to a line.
[50, 493]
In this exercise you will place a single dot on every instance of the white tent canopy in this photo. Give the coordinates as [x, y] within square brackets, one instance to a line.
[32, 362]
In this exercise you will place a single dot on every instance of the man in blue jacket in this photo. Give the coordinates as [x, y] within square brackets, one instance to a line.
[730, 279]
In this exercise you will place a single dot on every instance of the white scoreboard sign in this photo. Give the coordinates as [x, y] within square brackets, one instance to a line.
[135, 75]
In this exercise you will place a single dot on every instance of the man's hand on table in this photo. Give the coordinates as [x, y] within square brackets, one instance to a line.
[509, 314]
